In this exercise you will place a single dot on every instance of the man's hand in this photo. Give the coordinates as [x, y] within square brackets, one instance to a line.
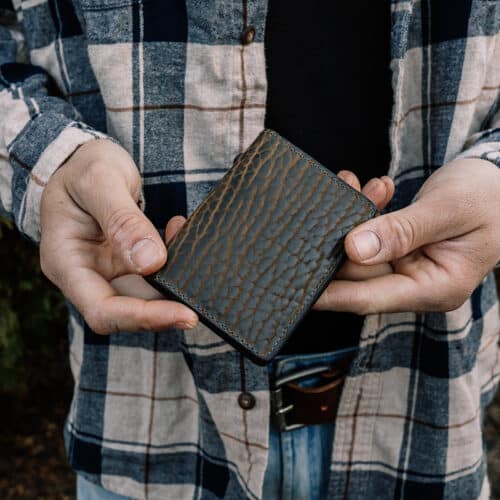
[94, 232]
[428, 256]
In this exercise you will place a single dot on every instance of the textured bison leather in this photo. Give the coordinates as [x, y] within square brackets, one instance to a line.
[258, 251]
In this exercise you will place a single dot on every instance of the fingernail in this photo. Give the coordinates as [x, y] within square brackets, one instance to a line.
[367, 244]
[144, 254]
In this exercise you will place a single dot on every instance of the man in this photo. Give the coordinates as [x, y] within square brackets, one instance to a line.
[129, 104]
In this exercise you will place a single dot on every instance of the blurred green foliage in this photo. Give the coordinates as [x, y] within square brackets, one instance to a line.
[32, 314]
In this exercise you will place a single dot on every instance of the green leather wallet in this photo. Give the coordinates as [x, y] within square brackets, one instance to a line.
[258, 251]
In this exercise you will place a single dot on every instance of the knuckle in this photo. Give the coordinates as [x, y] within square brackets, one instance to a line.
[96, 322]
[89, 175]
[403, 235]
[143, 319]
[82, 183]
[452, 303]
[125, 170]
[441, 304]
[450, 299]
[359, 300]
[458, 299]
[120, 225]
[94, 168]
[356, 300]
[461, 290]
[365, 304]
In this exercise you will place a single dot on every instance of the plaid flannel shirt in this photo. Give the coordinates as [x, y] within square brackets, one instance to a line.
[155, 415]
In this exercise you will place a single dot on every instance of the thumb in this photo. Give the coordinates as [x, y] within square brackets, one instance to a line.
[134, 239]
[394, 235]
[136, 245]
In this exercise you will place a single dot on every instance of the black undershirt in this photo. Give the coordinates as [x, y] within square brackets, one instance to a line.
[329, 93]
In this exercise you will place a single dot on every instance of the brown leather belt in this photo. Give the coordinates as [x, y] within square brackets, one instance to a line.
[293, 406]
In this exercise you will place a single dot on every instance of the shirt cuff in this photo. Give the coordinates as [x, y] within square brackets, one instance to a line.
[483, 146]
[486, 151]
[54, 155]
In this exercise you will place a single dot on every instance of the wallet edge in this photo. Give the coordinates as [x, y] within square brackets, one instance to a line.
[169, 291]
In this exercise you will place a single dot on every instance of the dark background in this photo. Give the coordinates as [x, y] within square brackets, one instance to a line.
[36, 383]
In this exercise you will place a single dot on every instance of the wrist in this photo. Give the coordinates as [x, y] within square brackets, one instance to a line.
[476, 165]
[89, 162]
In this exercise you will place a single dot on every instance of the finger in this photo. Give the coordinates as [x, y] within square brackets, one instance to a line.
[390, 188]
[351, 271]
[388, 293]
[106, 312]
[136, 246]
[173, 226]
[132, 285]
[350, 178]
[376, 191]
[394, 235]
[126, 314]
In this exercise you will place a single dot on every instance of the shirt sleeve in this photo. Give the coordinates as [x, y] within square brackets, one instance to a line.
[39, 130]
[485, 145]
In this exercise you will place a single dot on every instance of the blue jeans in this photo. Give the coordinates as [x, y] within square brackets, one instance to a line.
[299, 461]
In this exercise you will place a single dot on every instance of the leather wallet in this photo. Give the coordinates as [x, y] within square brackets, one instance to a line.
[258, 251]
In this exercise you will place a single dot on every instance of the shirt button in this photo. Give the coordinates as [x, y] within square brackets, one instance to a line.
[248, 35]
[246, 400]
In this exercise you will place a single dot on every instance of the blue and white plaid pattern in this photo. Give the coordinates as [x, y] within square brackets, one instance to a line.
[156, 415]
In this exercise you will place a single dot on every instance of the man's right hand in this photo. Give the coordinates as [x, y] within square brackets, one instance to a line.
[92, 231]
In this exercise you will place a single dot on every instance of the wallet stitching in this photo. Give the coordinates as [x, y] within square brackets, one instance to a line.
[323, 171]
[214, 317]
[224, 326]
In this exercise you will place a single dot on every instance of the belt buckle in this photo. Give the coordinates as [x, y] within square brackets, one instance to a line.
[278, 409]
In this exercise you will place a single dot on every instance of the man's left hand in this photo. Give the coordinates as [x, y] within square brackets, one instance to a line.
[428, 256]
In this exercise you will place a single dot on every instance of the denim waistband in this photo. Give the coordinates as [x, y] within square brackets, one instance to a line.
[288, 363]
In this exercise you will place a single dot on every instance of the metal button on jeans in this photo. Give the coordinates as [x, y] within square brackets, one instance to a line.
[248, 35]
[246, 400]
